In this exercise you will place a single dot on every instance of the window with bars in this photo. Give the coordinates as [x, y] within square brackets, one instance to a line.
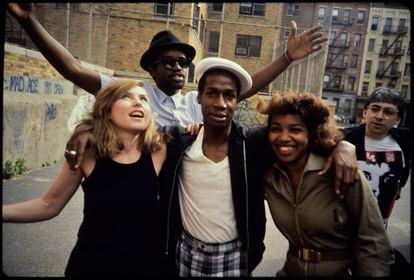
[252, 8]
[247, 45]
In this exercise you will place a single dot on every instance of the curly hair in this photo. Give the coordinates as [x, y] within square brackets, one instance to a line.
[105, 142]
[323, 132]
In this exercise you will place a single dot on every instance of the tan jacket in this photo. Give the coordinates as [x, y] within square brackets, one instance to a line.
[348, 233]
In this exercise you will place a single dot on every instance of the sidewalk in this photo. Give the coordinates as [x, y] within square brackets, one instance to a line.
[42, 249]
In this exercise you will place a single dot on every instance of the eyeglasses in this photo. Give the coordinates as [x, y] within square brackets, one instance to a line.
[387, 112]
[169, 62]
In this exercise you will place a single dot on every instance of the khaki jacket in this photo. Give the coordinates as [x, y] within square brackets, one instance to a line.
[348, 233]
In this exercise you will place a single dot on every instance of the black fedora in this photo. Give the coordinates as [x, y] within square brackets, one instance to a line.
[164, 40]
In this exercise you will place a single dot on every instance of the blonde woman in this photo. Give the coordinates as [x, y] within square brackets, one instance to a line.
[120, 231]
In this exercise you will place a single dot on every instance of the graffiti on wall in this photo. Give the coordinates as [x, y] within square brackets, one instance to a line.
[34, 85]
[82, 108]
[16, 121]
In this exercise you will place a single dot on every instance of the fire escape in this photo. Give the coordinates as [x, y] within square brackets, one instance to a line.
[394, 51]
[337, 50]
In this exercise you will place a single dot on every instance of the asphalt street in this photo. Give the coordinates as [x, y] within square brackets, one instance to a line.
[42, 249]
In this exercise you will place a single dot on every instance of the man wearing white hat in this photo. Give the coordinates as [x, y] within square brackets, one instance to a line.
[212, 183]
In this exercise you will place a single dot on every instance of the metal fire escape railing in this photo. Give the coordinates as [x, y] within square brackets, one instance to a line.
[394, 50]
[340, 49]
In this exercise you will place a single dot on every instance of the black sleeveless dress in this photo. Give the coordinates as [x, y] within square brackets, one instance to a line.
[120, 234]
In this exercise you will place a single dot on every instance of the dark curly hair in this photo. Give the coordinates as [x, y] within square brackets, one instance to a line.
[323, 132]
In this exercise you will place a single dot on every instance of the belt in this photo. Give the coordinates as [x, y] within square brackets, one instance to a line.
[311, 255]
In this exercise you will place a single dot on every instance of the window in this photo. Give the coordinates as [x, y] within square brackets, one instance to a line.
[404, 91]
[325, 80]
[368, 65]
[293, 9]
[384, 46]
[360, 17]
[388, 25]
[357, 40]
[332, 36]
[401, 25]
[378, 85]
[329, 58]
[342, 39]
[190, 75]
[213, 41]
[407, 69]
[163, 9]
[252, 9]
[321, 14]
[335, 13]
[354, 61]
[217, 7]
[348, 104]
[364, 91]
[248, 45]
[351, 83]
[381, 66]
[337, 82]
[394, 69]
[371, 45]
[286, 32]
[347, 16]
[202, 31]
[336, 101]
[196, 15]
[374, 23]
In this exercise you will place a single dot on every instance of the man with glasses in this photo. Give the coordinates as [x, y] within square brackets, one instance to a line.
[383, 150]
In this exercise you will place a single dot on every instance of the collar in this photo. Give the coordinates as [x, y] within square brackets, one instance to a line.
[313, 163]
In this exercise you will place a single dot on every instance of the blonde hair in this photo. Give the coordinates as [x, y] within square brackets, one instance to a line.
[323, 132]
[105, 139]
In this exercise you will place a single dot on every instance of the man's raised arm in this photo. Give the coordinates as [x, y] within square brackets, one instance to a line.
[53, 51]
[298, 47]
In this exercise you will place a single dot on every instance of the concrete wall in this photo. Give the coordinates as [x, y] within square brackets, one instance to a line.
[39, 108]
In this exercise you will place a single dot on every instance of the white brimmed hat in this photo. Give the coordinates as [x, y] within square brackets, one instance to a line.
[220, 63]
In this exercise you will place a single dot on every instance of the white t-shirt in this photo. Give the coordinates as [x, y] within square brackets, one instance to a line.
[382, 164]
[205, 194]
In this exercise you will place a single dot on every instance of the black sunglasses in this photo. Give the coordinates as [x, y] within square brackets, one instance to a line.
[169, 62]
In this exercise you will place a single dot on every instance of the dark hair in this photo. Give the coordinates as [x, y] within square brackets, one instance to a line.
[202, 82]
[387, 95]
[315, 113]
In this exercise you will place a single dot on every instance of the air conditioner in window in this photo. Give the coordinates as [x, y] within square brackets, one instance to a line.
[242, 51]
[246, 10]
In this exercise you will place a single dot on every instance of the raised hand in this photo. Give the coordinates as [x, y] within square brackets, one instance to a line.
[307, 42]
[20, 10]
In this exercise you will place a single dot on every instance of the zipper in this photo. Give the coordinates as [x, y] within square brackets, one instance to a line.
[171, 197]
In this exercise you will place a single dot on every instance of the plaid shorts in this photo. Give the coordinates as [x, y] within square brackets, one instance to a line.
[198, 258]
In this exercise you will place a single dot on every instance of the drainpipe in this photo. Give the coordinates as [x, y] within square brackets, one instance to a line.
[67, 25]
[221, 30]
